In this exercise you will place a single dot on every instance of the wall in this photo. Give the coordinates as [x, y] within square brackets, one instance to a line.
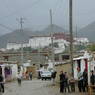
[63, 67]
[14, 71]
[16, 45]
[33, 69]
[39, 42]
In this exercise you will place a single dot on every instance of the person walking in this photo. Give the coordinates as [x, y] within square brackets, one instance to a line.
[53, 77]
[19, 79]
[80, 80]
[30, 75]
[62, 78]
[2, 83]
[92, 78]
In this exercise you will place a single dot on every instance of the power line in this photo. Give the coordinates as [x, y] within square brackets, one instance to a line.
[23, 9]
[21, 21]
[57, 6]
[51, 33]
[71, 33]
[6, 27]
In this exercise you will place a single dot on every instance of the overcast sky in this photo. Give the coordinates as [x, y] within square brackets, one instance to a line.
[36, 13]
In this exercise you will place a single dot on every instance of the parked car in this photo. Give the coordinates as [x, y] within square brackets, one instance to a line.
[46, 75]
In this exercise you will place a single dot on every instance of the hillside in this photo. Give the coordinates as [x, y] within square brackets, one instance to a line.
[17, 36]
[88, 31]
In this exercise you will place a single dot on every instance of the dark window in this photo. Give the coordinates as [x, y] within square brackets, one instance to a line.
[65, 57]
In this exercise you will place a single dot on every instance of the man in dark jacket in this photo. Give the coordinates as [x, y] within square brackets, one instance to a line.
[85, 80]
[2, 83]
[62, 78]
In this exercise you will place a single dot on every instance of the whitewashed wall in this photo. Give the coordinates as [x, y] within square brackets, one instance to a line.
[39, 41]
[14, 70]
[75, 70]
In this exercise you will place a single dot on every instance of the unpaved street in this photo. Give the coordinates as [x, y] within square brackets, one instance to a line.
[34, 87]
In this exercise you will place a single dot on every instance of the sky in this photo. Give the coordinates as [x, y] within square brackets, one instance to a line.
[36, 13]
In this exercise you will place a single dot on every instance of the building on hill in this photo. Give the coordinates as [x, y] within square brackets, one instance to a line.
[15, 45]
[35, 42]
[81, 41]
[60, 42]
[61, 35]
[39, 41]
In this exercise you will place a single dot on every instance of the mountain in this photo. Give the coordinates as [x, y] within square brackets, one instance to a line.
[88, 31]
[15, 36]
[18, 36]
[54, 29]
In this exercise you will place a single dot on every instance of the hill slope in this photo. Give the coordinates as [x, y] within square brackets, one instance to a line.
[88, 31]
[17, 36]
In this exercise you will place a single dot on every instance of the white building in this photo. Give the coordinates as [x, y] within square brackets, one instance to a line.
[15, 46]
[61, 45]
[42, 41]
[39, 41]
[81, 41]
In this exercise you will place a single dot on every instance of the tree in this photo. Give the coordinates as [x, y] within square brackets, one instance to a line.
[91, 47]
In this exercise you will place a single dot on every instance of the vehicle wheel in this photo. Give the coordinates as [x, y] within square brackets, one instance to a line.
[42, 78]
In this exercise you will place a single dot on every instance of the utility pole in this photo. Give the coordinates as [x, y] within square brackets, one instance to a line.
[76, 31]
[71, 32]
[21, 21]
[51, 34]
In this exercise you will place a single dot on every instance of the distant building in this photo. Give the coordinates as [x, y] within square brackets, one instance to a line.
[39, 41]
[14, 45]
[60, 42]
[81, 41]
[63, 35]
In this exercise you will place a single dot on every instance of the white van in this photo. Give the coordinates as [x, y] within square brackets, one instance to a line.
[46, 75]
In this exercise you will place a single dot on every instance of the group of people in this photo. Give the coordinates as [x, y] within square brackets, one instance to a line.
[28, 75]
[82, 80]
[64, 82]
[69, 84]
